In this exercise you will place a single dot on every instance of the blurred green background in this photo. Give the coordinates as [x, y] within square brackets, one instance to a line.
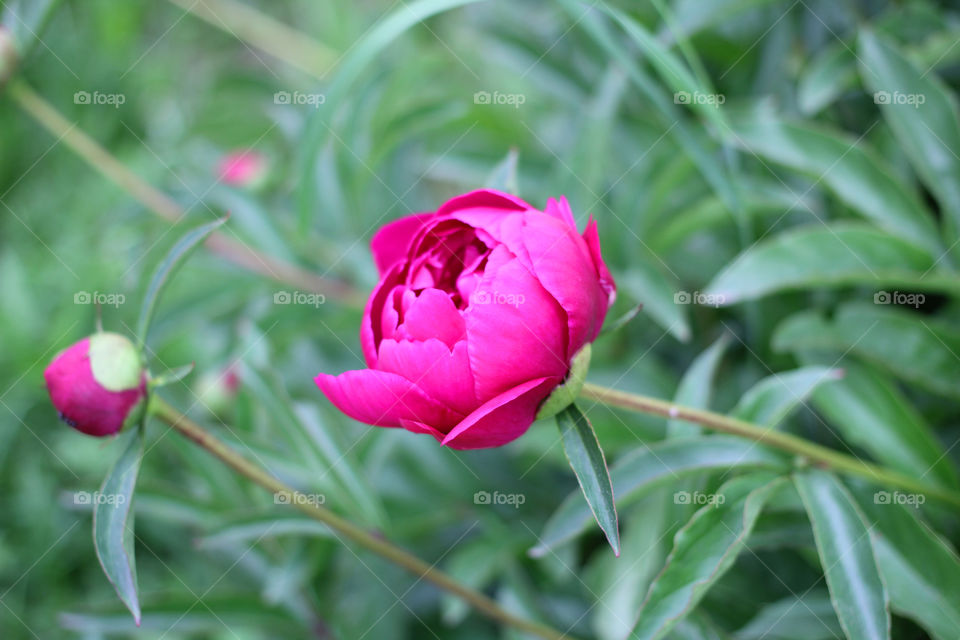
[749, 178]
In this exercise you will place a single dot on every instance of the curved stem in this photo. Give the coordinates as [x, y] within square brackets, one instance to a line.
[164, 206]
[343, 527]
[811, 452]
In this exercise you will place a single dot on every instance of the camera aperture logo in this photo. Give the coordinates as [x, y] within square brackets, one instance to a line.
[512, 499]
[97, 98]
[299, 98]
[899, 98]
[297, 498]
[706, 299]
[510, 99]
[299, 297]
[898, 497]
[698, 498]
[96, 497]
[914, 300]
[98, 297]
[697, 97]
[496, 297]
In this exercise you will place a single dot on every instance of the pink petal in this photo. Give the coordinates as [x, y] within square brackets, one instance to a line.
[516, 331]
[419, 427]
[485, 198]
[391, 243]
[432, 315]
[562, 262]
[592, 238]
[371, 328]
[503, 418]
[442, 373]
[383, 399]
[560, 210]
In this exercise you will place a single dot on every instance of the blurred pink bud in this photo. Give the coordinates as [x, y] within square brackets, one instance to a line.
[242, 168]
[98, 385]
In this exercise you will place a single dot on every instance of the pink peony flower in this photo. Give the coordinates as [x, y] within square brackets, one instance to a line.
[98, 385]
[479, 310]
[242, 168]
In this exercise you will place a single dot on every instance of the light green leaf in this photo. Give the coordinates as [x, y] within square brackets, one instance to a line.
[808, 616]
[504, 175]
[922, 113]
[703, 550]
[921, 570]
[696, 386]
[828, 256]
[113, 524]
[648, 286]
[772, 399]
[915, 348]
[847, 557]
[871, 413]
[174, 258]
[249, 530]
[651, 466]
[828, 74]
[854, 174]
[583, 451]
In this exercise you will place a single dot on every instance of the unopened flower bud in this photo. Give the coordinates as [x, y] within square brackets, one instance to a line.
[98, 385]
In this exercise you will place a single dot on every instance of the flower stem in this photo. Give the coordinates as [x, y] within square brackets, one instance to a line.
[168, 414]
[160, 203]
[808, 451]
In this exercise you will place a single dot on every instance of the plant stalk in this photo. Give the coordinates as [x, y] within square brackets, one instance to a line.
[155, 200]
[168, 414]
[810, 452]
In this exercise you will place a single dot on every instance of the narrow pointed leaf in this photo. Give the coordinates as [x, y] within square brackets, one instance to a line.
[696, 386]
[703, 550]
[174, 258]
[504, 175]
[772, 399]
[113, 524]
[846, 555]
[586, 459]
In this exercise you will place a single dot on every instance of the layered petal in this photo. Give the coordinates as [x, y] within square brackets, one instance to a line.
[592, 238]
[432, 315]
[516, 331]
[383, 399]
[442, 373]
[391, 243]
[503, 418]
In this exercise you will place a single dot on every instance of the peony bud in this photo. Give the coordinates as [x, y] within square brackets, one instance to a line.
[98, 385]
[8, 55]
[243, 168]
[217, 390]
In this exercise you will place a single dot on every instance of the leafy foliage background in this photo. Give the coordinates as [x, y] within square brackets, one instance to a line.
[797, 201]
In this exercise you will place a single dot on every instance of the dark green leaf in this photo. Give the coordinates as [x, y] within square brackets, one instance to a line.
[772, 399]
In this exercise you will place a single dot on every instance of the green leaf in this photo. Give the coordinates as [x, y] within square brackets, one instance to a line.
[829, 74]
[703, 550]
[174, 258]
[113, 524]
[828, 256]
[871, 413]
[920, 569]
[696, 386]
[807, 616]
[504, 175]
[772, 399]
[854, 174]
[174, 375]
[846, 555]
[648, 285]
[563, 395]
[923, 115]
[651, 466]
[26, 20]
[915, 348]
[249, 530]
[583, 451]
